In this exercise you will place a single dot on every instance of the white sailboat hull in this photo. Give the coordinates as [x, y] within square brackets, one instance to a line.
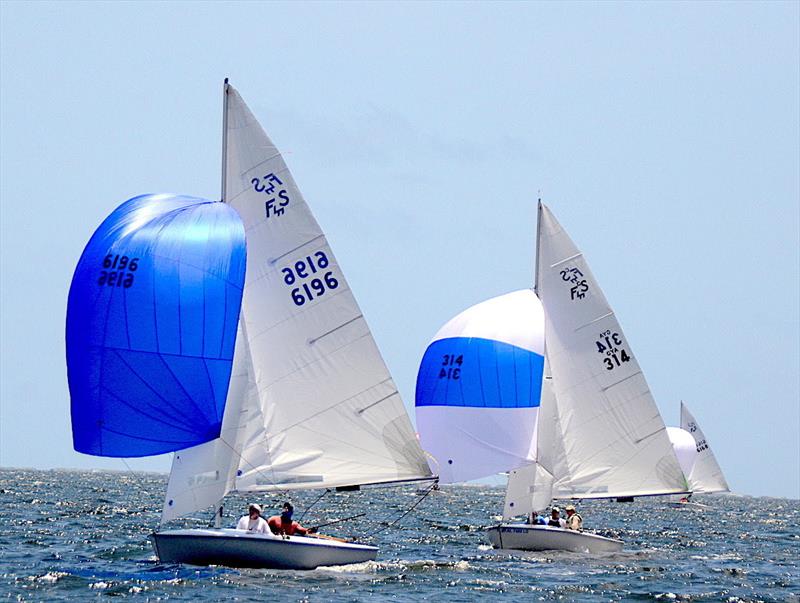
[547, 538]
[235, 548]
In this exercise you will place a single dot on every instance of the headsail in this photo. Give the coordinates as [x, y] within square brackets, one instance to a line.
[332, 415]
[479, 387]
[685, 449]
[530, 488]
[201, 476]
[151, 326]
[706, 475]
[614, 438]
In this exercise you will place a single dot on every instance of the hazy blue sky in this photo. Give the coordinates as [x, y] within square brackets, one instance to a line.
[664, 136]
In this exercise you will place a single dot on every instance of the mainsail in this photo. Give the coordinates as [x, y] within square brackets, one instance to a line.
[479, 386]
[614, 439]
[706, 474]
[316, 406]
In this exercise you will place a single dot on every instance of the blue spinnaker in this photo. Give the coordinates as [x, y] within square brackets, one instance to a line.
[151, 326]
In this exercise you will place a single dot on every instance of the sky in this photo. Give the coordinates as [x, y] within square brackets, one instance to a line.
[664, 136]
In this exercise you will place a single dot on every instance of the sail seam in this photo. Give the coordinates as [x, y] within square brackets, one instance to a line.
[165, 418]
[133, 371]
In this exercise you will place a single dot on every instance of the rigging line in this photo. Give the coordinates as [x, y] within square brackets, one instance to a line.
[138, 478]
[411, 508]
[308, 508]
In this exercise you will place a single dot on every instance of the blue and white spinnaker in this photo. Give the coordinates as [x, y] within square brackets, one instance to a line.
[479, 387]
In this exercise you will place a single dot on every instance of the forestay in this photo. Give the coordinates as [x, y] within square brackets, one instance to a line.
[331, 414]
[615, 442]
[479, 387]
[706, 475]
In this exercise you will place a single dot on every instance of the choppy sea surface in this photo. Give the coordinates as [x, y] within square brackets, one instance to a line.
[72, 535]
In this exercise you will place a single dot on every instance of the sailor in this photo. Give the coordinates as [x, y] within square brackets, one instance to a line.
[555, 518]
[574, 520]
[253, 522]
[283, 524]
[535, 519]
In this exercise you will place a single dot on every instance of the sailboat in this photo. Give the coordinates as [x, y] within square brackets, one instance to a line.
[699, 464]
[227, 334]
[597, 432]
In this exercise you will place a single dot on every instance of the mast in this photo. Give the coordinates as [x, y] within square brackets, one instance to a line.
[538, 246]
[224, 137]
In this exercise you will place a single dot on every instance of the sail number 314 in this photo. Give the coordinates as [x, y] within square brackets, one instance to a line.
[306, 286]
[451, 366]
[610, 345]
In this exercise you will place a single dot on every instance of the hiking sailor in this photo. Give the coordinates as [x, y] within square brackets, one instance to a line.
[283, 524]
[253, 522]
[574, 520]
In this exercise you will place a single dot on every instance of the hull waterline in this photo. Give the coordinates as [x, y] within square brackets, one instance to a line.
[235, 548]
[547, 538]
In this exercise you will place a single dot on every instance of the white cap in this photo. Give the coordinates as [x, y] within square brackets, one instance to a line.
[255, 506]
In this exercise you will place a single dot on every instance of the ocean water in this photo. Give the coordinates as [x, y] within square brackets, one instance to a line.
[75, 536]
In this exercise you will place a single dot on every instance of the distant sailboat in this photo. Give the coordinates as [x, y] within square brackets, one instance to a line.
[699, 464]
[598, 432]
[263, 380]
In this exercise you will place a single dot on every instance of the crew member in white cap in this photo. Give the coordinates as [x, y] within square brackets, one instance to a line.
[555, 518]
[574, 520]
[253, 522]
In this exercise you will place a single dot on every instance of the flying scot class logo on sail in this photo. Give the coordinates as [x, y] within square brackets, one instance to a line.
[575, 278]
[275, 205]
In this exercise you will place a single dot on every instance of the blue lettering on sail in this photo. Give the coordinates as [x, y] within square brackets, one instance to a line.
[483, 373]
[151, 326]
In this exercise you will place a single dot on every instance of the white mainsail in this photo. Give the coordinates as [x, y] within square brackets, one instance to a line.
[614, 439]
[311, 402]
[706, 475]
[332, 416]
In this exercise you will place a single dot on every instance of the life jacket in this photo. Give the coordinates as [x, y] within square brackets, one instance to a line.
[580, 520]
[556, 523]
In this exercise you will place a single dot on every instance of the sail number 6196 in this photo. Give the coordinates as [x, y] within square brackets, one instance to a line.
[302, 270]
